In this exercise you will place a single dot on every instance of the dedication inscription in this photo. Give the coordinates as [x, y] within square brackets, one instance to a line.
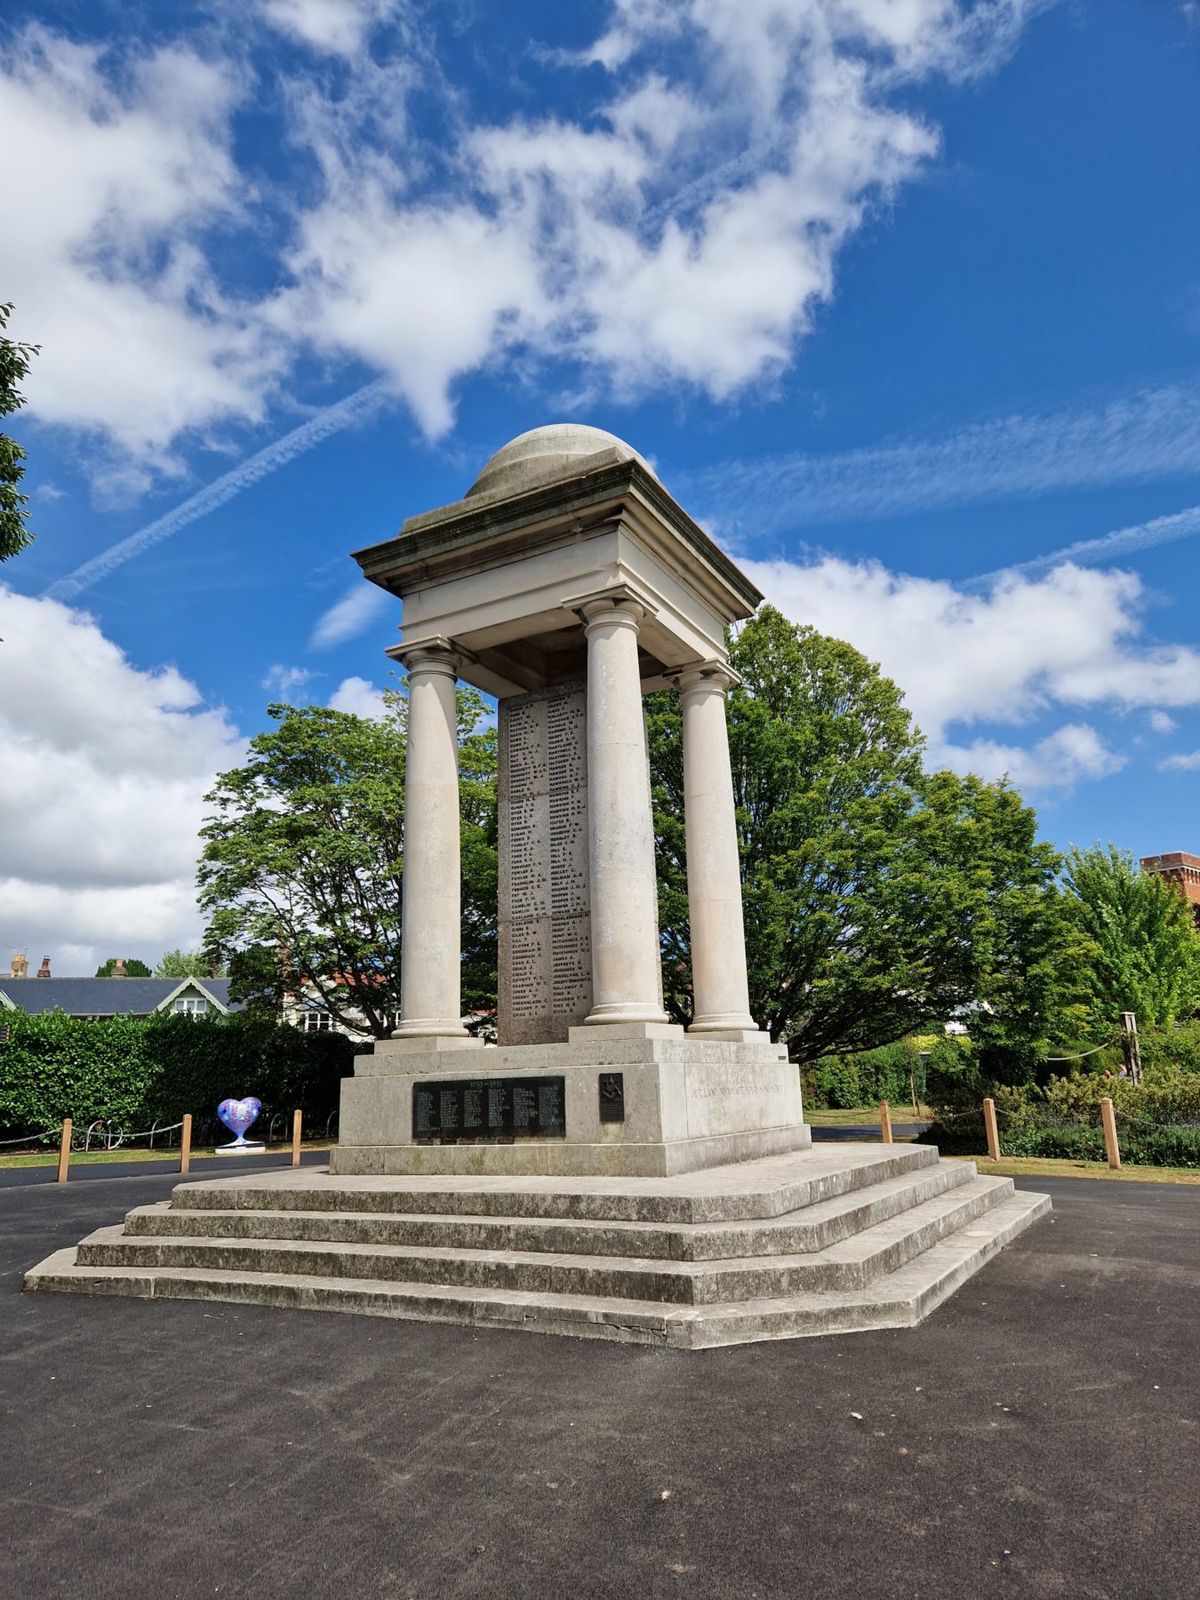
[462, 1110]
[545, 928]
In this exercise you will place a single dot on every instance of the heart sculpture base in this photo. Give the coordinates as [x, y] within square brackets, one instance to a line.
[240, 1148]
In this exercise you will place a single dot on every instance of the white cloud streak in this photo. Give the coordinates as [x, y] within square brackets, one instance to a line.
[1109, 546]
[361, 606]
[347, 413]
[1135, 438]
[1189, 762]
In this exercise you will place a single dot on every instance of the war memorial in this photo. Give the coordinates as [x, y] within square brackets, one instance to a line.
[599, 1171]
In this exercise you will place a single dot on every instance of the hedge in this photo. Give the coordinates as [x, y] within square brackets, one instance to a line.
[867, 1077]
[136, 1072]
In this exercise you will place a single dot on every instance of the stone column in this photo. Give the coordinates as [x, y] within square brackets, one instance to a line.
[721, 993]
[626, 975]
[431, 952]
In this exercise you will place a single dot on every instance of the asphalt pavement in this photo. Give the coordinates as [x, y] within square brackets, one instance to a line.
[1038, 1436]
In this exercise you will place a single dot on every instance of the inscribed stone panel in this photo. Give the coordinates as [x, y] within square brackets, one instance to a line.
[545, 928]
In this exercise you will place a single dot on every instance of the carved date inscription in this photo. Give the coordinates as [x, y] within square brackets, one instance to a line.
[545, 930]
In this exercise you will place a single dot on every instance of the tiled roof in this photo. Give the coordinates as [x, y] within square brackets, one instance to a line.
[103, 997]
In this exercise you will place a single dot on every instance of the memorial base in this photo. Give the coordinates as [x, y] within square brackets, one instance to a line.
[597, 1105]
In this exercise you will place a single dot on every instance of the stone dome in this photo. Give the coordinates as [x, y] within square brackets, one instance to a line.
[544, 454]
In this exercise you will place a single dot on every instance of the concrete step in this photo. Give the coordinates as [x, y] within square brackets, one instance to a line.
[745, 1191]
[807, 1230]
[851, 1263]
[899, 1299]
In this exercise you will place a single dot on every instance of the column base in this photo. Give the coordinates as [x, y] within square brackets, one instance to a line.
[404, 1043]
[590, 1033]
[737, 1035]
[608, 1016]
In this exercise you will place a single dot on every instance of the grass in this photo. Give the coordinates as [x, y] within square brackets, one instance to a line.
[902, 1111]
[1048, 1167]
[49, 1158]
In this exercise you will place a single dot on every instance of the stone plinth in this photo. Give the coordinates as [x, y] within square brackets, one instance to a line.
[687, 1104]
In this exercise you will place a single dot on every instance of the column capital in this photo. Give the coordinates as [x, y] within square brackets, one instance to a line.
[435, 655]
[706, 675]
[622, 603]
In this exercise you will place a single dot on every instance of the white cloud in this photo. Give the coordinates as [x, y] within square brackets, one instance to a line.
[1160, 722]
[124, 162]
[101, 791]
[1026, 648]
[681, 225]
[361, 606]
[337, 26]
[283, 682]
[1189, 762]
[1067, 756]
[358, 697]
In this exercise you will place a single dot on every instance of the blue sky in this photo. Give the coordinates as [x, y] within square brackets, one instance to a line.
[902, 299]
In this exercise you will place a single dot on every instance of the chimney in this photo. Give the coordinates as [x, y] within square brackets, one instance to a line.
[20, 964]
[118, 969]
[44, 970]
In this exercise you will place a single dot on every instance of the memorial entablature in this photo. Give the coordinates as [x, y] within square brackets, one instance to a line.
[558, 518]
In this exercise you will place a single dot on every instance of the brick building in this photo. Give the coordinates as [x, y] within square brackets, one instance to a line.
[1182, 869]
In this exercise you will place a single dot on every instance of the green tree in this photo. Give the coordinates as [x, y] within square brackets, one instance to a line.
[185, 964]
[1141, 946]
[303, 859]
[877, 899]
[15, 359]
[133, 968]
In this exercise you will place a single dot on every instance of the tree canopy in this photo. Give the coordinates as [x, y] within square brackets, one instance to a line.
[15, 360]
[185, 964]
[303, 860]
[1140, 946]
[133, 968]
[878, 899]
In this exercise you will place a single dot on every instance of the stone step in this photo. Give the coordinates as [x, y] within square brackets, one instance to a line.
[808, 1230]
[851, 1263]
[900, 1299]
[745, 1191]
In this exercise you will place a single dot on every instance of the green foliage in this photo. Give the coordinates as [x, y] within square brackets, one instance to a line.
[185, 964]
[15, 359]
[134, 1070]
[133, 968]
[1142, 949]
[889, 1073]
[877, 900]
[256, 979]
[303, 857]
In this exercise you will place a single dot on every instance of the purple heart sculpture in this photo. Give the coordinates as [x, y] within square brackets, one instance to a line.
[238, 1115]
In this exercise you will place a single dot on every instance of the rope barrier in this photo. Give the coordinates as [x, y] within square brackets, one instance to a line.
[31, 1138]
[1082, 1057]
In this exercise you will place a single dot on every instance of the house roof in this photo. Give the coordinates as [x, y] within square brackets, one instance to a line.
[106, 997]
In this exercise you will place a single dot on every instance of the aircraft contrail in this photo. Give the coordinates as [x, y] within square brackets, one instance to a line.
[1124, 541]
[345, 413]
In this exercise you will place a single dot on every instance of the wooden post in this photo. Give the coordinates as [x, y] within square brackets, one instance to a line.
[185, 1143]
[1108, 1119]
[296, 1120]
[1130, 1047]
[885, 1122]
[992, 1131]
[64, 1150]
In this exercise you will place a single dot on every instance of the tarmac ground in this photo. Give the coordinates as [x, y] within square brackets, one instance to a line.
[1038, 1436]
